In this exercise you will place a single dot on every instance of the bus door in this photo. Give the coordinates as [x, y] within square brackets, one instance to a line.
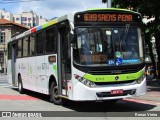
[65, 58]
[13, 62]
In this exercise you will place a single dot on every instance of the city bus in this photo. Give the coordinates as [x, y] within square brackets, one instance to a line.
[92, 55]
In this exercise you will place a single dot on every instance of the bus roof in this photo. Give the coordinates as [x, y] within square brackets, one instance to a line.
[111, 9]
[47, 24]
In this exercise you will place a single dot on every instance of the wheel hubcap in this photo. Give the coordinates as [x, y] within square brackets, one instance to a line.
[20, 86]
[55, 93]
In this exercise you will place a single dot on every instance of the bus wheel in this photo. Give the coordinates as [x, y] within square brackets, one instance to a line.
[20, 85]
[54, 94]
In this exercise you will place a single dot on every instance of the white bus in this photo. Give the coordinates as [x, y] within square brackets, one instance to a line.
[91, 55]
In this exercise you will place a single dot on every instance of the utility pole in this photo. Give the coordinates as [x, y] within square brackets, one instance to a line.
[0, 60]
[108, 3]
[4, 58]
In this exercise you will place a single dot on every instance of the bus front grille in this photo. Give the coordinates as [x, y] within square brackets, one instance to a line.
[112, 72]
[115, 83]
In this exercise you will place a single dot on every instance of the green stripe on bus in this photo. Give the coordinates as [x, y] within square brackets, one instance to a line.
[111, 9]
[112, 78]
[55, 70]
[49, 23]
[116, 9]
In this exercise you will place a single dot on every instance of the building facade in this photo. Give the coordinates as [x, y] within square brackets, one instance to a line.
[13, 24]
[7, 30]
[6, 15]
[28, 19]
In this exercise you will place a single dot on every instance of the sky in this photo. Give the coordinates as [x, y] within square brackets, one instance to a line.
[50, 8]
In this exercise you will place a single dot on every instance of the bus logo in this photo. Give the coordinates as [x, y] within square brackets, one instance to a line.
[116, 78]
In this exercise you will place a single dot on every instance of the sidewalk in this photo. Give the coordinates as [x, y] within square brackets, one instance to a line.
[153, 91]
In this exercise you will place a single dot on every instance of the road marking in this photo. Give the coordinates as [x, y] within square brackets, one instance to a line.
[142, 101]
[5, 85]
[17, 97]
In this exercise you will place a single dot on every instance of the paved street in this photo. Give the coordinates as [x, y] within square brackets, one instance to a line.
[153, 93]
[11, 100]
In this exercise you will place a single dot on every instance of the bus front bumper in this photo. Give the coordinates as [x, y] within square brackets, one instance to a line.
[84, 93]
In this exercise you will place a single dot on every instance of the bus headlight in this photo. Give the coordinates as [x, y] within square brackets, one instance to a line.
[84, 81]
[139, 80]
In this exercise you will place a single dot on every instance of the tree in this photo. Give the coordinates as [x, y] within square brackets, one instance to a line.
[104, 1]
[150, 9]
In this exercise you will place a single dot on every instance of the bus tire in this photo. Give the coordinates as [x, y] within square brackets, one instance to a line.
[54, 94]
[20, 85]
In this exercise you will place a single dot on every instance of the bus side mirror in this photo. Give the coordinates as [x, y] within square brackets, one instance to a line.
[73, 40]
[73, 45]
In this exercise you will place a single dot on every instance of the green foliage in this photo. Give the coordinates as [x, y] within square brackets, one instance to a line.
[104, 1]
[145, 7]
[132, 4]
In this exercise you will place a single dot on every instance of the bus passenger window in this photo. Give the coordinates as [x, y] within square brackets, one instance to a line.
[32, 45]
[40, 43]
[51, 40]
[19, 48]
[25, 46]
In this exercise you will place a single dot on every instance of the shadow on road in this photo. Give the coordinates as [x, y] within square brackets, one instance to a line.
[120, 106]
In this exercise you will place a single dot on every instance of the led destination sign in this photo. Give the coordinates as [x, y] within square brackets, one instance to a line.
[107, 17]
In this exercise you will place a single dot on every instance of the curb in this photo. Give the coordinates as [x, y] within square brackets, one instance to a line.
[155, 82]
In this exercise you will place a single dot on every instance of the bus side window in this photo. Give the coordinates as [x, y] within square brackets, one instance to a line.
[40, 43]
[31, 45]
[25, 47]
[19, 49]
[51, 37]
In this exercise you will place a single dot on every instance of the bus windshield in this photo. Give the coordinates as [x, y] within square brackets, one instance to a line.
[108, 46]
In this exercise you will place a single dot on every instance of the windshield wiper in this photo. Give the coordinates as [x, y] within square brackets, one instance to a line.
[125, 34]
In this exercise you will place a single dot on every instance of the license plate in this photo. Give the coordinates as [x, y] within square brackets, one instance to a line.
[117, 92]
